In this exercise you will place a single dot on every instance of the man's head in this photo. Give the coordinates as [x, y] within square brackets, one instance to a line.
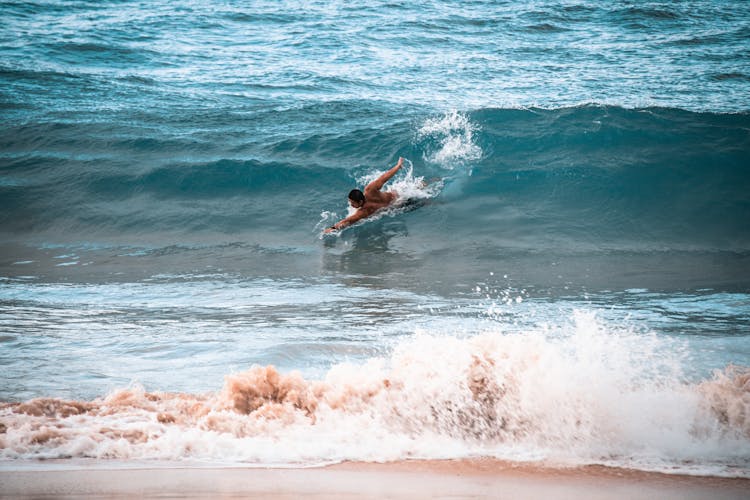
[356, 198]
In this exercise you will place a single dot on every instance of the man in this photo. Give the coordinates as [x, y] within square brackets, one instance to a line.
[369, 202]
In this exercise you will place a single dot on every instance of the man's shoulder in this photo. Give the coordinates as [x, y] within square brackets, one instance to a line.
[367, 210]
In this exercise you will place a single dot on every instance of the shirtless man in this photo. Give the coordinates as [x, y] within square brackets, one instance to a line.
[369, 202]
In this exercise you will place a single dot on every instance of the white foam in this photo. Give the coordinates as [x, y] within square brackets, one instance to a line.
[453, 135]
[411, 187]
[575, 393]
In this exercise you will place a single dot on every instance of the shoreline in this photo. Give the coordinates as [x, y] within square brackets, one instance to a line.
[477, 478]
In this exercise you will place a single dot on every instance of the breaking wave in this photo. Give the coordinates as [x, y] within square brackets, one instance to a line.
[593, 395]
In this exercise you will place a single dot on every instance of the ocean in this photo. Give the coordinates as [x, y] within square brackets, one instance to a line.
[568, 285]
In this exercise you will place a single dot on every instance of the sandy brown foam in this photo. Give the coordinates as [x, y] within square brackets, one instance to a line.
[728, 396]
[508, 397]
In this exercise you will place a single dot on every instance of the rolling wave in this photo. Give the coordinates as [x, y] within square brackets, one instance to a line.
[593, 174]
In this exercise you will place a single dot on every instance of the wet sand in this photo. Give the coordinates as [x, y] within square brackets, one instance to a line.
[410, 479]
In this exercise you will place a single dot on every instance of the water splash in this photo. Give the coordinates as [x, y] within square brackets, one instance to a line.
[410, 187]
[327, 218]
[583, 392]
[450, 140]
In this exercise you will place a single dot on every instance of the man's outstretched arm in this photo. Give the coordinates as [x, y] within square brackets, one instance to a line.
[358, 215]
[378, 183]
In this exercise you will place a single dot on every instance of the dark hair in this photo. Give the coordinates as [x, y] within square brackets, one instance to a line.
[356, 195]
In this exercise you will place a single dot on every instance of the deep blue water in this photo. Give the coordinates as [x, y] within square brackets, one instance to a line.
[166, 170]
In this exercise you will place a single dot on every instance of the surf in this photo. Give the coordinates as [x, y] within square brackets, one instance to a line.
[587, 393]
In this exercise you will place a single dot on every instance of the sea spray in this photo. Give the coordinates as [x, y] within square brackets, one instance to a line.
[449, 140]
[589, 392]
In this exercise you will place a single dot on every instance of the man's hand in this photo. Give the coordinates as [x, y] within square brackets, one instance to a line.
[400, 162]
[330, 230]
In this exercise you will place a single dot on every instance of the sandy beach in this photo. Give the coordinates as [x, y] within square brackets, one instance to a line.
[411, 479]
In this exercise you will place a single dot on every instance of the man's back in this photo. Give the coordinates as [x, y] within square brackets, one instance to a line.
[375, 199]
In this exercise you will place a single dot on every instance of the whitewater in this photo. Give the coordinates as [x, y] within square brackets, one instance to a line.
[570, 284]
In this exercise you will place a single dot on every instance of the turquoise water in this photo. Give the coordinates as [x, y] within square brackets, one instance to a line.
[572, 287]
